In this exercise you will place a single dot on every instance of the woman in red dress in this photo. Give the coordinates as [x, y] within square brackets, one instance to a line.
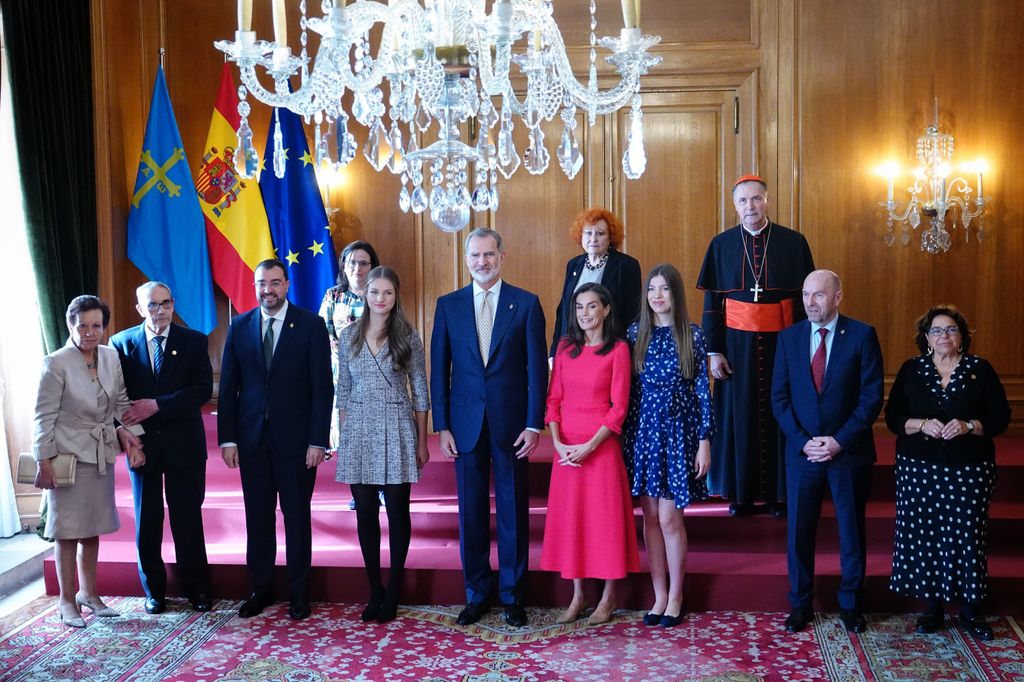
[589, 531]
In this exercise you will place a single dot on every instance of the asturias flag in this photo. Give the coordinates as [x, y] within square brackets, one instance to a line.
[166, 232]
[298, 221]
[236, 222]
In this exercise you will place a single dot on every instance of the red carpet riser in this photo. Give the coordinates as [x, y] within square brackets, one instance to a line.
[734, 563]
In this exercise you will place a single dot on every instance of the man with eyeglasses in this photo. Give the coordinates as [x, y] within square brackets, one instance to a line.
[167, 373]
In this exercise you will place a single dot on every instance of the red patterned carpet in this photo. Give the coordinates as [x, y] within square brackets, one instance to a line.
[424, 644]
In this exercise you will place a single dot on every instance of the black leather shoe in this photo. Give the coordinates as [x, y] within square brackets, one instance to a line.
[473, 612]
[798, 619]
[155, 606]
[515, 614]
[741, 509]
[299, 608]
[778, 510]
[388, 609]
[201, 602]
[853, 621]
[978, 628]
[929, 622]
[372, 609]
[254, 604]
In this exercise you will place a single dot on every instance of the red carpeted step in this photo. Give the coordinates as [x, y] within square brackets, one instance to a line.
[735, 563]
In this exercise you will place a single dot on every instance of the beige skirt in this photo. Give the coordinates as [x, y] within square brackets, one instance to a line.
[84, 509]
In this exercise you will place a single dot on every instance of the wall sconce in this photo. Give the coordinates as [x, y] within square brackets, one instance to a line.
[935, 194]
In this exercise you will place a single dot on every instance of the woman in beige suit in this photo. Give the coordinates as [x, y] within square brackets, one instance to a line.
[81, 392]
[383, 433]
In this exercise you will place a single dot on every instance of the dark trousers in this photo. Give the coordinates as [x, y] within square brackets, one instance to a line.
[472, 476]
[269, 475]
[849, 485]
[185, 490]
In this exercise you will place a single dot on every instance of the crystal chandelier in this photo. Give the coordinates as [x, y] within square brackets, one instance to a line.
[445, 61]
[934, 194]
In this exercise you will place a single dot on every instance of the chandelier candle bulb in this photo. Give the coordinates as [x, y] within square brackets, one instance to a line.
[280, 26]
[637, 17]
[244, 15]
[628, 13]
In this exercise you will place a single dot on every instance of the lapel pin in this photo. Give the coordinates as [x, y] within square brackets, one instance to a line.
[573, 273]
[292, 325]
[973, 377]
[842, 331]
[174, 352]
[510, 306]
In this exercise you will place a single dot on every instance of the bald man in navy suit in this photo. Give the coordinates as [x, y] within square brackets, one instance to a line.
[167, 374]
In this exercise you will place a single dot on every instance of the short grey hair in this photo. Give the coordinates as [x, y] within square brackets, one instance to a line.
[149, 286]
[481, 233]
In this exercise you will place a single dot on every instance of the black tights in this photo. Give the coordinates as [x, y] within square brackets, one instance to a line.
[396, 500]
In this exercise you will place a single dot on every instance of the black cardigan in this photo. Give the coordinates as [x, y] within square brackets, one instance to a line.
[974, 392]
[621, 277]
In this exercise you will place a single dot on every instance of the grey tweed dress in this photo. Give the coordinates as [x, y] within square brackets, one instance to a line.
[377, 445]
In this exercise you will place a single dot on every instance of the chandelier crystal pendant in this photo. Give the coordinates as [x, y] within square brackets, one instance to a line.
[443, 62]
[935, 194]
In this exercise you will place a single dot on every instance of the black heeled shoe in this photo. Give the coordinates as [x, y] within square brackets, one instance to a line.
[978, 628]
[372, 609]
[388, 609]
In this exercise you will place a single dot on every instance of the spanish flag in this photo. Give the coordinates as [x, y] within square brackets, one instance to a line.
[236, 221]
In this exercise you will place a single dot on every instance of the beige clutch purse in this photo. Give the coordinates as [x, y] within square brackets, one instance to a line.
[63, 469]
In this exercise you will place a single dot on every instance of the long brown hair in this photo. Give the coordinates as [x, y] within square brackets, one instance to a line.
[681, 331]
[397, 329]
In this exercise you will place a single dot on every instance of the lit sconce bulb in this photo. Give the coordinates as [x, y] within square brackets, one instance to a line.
[944, 170]
[919, 173]
[889, 170]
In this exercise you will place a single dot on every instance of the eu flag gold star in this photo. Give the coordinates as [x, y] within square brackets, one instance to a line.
[292, 257]
[306, 159]
[317, 248]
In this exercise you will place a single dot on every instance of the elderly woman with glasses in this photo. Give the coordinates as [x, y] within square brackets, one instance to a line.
[945, 407]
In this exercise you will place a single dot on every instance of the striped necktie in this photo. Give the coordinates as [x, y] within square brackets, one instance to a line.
[158, 354]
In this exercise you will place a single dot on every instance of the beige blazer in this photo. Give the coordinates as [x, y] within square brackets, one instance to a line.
[68, 419]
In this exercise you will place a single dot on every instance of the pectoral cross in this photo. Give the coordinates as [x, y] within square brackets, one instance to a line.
[757, 290]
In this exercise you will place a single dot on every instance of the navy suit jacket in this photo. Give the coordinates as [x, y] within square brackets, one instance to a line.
[184, 385]
[296, 393]
[510, 391]
[851, 395]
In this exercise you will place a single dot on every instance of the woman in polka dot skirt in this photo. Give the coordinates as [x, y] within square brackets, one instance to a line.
[945, 407]
[668, 432]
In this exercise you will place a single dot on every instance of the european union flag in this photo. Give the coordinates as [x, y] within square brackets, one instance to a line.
[166, 228]
[295, 211]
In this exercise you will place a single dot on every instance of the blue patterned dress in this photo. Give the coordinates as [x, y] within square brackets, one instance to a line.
[668, 416]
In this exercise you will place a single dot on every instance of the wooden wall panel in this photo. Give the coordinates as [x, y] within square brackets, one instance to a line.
[676, 21]
[866, 78]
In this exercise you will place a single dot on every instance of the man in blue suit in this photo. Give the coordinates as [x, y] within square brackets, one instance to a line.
[273, 422]
[167, 373]
[488, 384]
[826, 394]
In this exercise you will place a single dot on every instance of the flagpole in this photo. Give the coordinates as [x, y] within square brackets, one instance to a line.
[162, 52]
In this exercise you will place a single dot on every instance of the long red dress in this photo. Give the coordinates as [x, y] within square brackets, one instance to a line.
[589, 531]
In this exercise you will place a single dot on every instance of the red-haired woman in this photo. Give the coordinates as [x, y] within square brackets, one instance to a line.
[600, 234]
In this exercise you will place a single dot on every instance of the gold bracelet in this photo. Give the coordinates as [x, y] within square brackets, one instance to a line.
[921, 427]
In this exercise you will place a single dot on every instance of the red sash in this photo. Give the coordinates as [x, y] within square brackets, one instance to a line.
[758, 317]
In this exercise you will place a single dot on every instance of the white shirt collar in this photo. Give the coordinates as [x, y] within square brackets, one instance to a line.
[495, 289]
[831, 326]
[754, 233]
[150, 335]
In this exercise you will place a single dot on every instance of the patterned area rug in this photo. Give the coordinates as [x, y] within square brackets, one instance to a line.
[425, 644]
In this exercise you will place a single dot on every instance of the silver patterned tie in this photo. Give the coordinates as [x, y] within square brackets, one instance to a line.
[484, 323]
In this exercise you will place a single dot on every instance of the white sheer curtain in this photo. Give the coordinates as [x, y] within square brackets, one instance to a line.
[21, 347]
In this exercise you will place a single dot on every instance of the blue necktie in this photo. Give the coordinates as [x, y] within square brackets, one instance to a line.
[158, 354]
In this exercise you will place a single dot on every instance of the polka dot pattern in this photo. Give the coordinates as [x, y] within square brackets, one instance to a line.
[668, 416]
[940, 544]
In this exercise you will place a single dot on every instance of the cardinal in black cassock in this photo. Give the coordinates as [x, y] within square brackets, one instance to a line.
[752, 278]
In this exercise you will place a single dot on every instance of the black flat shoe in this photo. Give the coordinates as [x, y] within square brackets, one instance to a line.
[671, 621]
[155, 606]
[652, 619]
[978, 628]
[372, 609]
[929, 622]
[388, 610]
[741, 509]
[473, 612]
[798, 619]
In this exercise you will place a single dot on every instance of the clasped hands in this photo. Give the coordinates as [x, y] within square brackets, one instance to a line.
[132, 445]
[951, 429]
[572, 455]
[821, 449]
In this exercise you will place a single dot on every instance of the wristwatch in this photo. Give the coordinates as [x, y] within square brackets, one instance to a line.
[970, 426]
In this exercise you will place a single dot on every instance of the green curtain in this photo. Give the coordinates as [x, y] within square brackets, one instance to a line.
[48, 44]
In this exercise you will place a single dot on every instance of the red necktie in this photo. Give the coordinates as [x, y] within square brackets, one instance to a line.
[818, 362]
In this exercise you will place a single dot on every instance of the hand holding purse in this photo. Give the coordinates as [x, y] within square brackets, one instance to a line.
[63, 469]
